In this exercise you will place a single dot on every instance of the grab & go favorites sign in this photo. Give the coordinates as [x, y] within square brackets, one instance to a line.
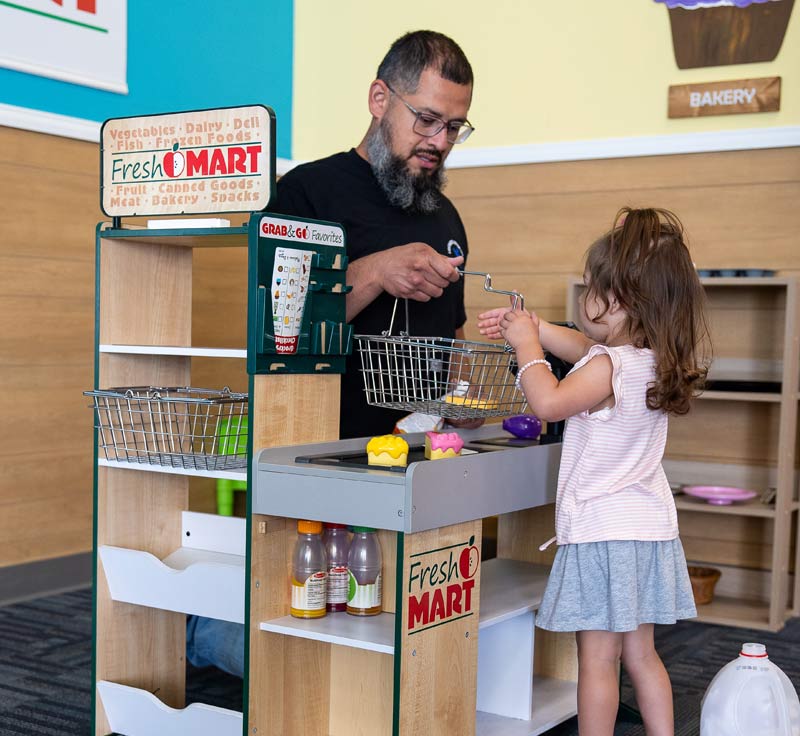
[202, 161]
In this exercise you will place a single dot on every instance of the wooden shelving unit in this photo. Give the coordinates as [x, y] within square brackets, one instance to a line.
[745, 438]
[147, 576]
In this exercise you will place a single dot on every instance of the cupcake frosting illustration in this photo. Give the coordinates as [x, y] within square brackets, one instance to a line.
[720, 32]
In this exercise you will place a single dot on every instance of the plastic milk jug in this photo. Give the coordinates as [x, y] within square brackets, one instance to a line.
[365, 564]
[337, 546]
[750, 696]
[309, 572]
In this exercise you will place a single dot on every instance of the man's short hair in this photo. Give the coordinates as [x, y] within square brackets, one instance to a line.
[411, 54]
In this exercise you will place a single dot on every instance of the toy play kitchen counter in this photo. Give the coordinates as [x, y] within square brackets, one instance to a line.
[453, 650]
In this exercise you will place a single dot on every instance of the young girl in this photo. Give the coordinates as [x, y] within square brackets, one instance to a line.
[619, 568]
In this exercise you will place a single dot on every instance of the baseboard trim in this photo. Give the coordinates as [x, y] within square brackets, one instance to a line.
[45, 577]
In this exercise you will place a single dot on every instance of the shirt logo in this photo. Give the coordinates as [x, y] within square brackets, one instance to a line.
[454, 249]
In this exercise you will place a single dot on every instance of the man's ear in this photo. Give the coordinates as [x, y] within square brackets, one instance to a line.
[378, 99]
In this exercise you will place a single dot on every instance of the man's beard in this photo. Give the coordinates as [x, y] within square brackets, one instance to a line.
[412, 192]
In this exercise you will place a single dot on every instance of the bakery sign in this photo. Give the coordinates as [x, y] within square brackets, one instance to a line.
[441, 583]
[725, 98]
[201, 161]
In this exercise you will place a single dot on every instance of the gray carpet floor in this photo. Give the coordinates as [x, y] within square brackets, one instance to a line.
[45, 668]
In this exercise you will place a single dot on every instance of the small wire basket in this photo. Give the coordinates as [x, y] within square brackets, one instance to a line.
[446, 377]
[180, 427]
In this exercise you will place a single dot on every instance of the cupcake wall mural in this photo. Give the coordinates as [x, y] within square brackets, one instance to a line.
[720, 32]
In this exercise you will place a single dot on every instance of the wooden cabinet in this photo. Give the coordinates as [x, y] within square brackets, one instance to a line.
[154, 560]
[742, 432]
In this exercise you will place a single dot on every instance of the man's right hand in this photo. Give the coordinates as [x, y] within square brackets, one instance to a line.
[416, 271]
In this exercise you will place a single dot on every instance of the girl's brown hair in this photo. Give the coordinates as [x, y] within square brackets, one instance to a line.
[643, 261]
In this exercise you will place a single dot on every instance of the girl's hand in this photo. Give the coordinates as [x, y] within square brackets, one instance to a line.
[489, 323]
[520, 328]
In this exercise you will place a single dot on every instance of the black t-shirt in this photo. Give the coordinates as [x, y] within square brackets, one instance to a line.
[343, 189]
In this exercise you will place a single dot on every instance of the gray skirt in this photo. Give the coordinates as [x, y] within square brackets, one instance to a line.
[616, 586]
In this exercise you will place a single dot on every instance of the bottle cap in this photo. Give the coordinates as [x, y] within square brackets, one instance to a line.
[329, 525]
[754, 650]
[363, 529]
[309, 527]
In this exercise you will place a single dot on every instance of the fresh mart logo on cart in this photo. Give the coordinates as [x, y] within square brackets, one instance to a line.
[440, 585]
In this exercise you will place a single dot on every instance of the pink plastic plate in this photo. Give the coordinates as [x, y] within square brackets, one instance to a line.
[720, 495]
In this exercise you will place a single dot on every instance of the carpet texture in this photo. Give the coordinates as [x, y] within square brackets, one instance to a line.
[46, 654]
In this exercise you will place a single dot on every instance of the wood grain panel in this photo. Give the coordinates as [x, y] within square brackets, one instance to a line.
[48, 211]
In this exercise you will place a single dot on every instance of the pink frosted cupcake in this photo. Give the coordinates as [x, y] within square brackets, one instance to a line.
[439, 445]
[720, 32]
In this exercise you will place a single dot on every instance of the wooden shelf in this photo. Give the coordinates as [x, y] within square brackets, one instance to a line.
[374, 633]
[735, 612]
[554, 701]
[235, 474]
[765, 396]
[174, 350]
[752, 508]
[215, 237]
[509, 588]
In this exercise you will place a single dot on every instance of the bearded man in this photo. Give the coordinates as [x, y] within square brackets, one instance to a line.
[404, 237]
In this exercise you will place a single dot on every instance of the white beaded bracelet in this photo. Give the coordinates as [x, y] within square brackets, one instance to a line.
[522, 369]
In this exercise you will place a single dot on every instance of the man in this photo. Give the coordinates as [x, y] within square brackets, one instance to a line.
[404, 237]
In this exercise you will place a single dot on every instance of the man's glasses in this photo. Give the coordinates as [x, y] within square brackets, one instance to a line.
[429, 125]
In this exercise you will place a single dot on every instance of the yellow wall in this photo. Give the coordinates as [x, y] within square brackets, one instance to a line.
[546, 70]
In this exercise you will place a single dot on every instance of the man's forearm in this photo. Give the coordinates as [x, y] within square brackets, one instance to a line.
[365, 278]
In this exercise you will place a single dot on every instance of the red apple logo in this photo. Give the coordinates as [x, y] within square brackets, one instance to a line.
[174, 162]
[469, 559]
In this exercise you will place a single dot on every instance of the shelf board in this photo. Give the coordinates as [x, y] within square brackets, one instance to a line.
[174, 350]
[765, 396]
[752, 508]
[374, 633]
[510, 588]
[735, 612]
[554, 701]
[781, 281]
[236, 474]
[208, 237]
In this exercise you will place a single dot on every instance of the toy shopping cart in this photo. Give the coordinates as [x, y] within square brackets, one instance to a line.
[180, 427]
[446, 377]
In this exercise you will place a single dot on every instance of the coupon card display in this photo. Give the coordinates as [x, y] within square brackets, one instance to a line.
[289, 291]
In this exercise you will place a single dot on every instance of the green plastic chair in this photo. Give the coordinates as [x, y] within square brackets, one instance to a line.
[232, 434]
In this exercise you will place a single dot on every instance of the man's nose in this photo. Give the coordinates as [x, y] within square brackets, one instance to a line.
[440, 141]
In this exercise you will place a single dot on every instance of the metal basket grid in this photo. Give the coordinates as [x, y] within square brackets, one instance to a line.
[180, 427]
[455, 379]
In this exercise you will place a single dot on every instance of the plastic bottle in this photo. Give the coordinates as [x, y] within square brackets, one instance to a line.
[337, 545]
[750, 696]
[365, 563]
[309, 572]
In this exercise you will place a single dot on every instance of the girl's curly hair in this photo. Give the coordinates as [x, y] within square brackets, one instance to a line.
[643, 261]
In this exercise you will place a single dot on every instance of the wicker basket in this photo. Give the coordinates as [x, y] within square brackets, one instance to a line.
[703, 580]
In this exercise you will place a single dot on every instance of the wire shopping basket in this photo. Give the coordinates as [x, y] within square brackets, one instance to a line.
[446, 377]
[180, 427]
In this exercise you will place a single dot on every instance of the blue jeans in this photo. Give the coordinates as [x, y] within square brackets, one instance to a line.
[210, 641]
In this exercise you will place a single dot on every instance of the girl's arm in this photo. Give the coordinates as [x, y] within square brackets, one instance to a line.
[550, 399]
[565, 343]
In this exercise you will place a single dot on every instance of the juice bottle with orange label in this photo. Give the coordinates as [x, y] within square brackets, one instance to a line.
[309, 572]
[365, 564]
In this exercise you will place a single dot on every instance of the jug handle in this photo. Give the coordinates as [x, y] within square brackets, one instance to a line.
[784, 723]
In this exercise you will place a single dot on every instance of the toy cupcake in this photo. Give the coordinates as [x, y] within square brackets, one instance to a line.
[387, 450]
[439, 445]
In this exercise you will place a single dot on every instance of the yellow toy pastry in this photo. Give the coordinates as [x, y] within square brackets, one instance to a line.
[439, 445]
[387, 449]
